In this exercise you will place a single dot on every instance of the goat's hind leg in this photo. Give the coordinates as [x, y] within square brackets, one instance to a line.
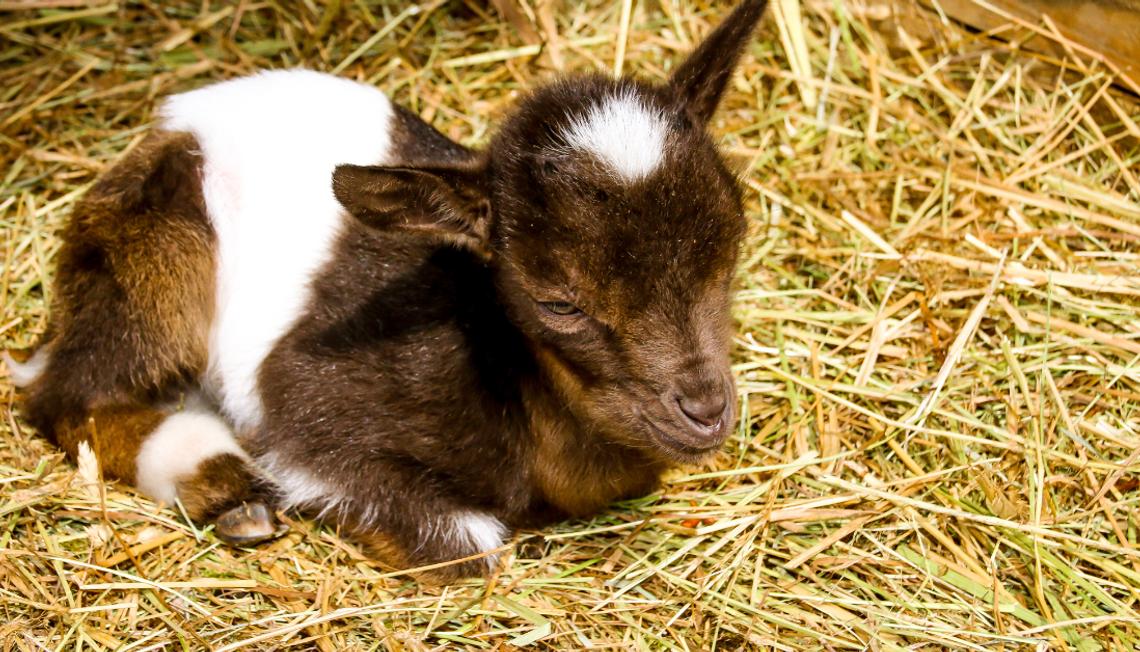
[134, 298]
[192, 456]
[187, 457]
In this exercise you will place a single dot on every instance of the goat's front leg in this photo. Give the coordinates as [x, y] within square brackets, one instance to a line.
[437, 542]
[399, 513]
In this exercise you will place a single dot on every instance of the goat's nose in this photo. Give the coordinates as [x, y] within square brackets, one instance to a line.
[705, 409]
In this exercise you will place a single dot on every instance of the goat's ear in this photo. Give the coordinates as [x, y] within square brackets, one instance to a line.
[452, 201]
[700, 80]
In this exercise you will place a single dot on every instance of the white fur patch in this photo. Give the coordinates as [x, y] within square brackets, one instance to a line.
[271, 142]
[623, 132]
[26, 373]
[175, 449]
[301, 489]
[479, 532]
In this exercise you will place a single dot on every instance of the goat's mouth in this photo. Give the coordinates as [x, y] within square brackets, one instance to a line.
[681, 445]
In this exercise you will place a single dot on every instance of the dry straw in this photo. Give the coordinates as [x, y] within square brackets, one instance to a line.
[945, 202]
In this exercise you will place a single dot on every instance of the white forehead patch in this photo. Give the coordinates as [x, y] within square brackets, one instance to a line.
[622, 132]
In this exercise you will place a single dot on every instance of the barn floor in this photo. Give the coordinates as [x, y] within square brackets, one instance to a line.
[938, 349]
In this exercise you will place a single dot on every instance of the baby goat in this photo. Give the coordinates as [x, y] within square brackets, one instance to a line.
[294, 294]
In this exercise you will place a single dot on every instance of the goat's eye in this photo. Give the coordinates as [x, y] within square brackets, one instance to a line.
[561, 308]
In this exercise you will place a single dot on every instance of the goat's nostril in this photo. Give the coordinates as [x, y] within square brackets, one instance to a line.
[704, 410]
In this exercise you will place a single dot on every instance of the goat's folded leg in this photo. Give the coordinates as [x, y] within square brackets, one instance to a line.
[186, 456]
[398, 512]
[225, 489]
[432, 550]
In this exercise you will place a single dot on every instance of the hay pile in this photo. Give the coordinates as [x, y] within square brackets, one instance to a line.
[938, 346]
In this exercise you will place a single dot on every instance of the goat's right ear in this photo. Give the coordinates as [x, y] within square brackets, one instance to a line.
[452, 201]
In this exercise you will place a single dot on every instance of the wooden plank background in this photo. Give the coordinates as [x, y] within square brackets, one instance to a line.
[1102, 29]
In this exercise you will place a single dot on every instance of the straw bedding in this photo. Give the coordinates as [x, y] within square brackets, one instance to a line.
[938, 346]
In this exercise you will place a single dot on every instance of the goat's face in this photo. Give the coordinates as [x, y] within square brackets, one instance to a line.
[616, 228]
[613, 226]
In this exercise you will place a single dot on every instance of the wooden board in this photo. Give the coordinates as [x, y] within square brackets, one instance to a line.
[1110, 28]
[1102, 30]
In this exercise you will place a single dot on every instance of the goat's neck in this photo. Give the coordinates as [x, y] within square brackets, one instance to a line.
[575, 469]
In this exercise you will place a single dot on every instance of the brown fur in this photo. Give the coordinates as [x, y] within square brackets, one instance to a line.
[133, 290]
[578, 475]
[115, 434]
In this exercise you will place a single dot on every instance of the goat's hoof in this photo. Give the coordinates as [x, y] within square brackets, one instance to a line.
[248, 524]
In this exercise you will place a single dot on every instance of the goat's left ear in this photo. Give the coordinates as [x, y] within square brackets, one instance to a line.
[452, 201]
[700, 80]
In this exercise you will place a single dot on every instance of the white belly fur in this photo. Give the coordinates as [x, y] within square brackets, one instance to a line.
[270, 144]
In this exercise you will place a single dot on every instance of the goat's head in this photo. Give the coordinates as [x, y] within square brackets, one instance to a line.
[613, 226]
